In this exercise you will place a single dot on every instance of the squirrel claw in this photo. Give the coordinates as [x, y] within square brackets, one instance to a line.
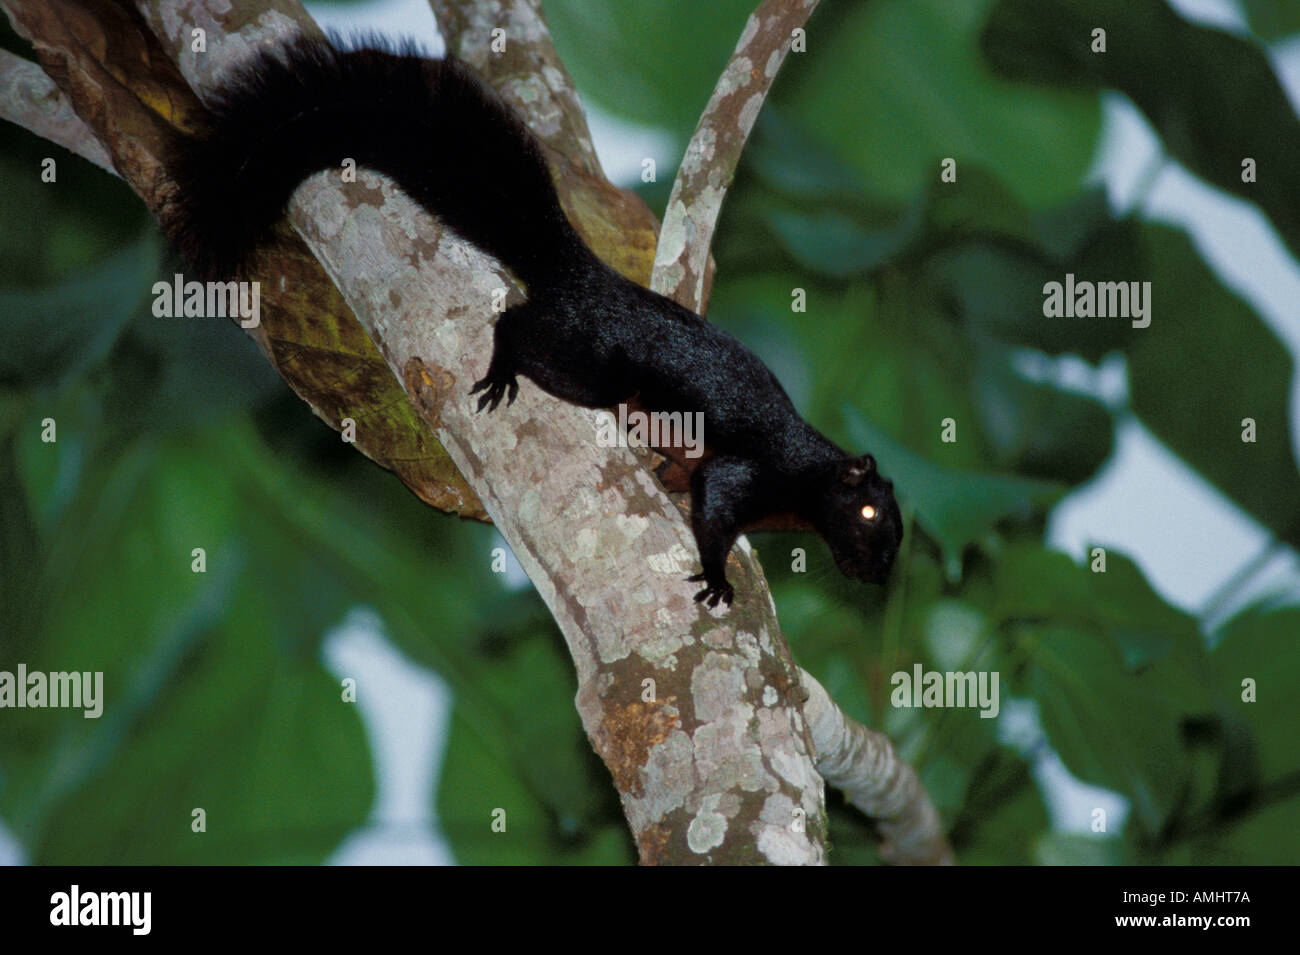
[712, 593]
[498, 386]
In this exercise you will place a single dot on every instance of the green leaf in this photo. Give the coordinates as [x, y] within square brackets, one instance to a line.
[1070, 848]
[1111, 727]
[834, 244]
[57, 332]
[652, 61]
[1204, 365]
[789, 160]
[1271, 19]
[1004, 816]
[1115, 670]
[853, 841]
[1036, 429]
[514, 716]
[1212, 96]
[1185, 368]
[973, 245]
[1264, 647]
[833, 641]
[998, 292]
[270, 753]
[1269, 835]
[214, 696]
[895, 86]
[58, 228]
[1117, 604]
[51, 471]
[185, 373]
[531, 682]
[422, 573]
[477, 789]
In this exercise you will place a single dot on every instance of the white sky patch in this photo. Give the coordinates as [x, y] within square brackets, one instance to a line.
[513, 577]
[11, 850]
[622, 146]
[1218, 14]
[406, 711]
[1147, 504]
[1070, 803]
[1285, 55]
[395, 19]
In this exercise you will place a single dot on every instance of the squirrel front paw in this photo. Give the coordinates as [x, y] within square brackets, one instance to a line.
[499, 384]
[714, 592]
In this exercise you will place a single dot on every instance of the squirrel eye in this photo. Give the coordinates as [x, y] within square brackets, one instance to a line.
[868, 513]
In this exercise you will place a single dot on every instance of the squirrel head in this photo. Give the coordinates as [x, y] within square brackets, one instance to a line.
[856, 514]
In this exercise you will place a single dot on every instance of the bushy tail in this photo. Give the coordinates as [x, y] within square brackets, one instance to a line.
[431, 125]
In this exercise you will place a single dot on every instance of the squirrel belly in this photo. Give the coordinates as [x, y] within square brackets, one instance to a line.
[585, 334]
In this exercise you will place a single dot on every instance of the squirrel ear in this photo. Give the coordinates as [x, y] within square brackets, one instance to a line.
[858, 469]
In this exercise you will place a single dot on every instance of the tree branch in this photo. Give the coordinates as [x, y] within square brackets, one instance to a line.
[30, 99]
[713, 764]
[710, 160]
[529, 75]
[125, 88]
[850, 756]
[863, 764]
[696, 715]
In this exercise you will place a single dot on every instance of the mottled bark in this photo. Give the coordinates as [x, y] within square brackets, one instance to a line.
[696, 714]
[851, 757]
[31, 99]
[682, 257]
[862, 764]
[529, 75]
[124, 86]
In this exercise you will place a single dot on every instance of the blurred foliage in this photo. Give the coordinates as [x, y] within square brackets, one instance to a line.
[924, 299]
[1211, 96]
[1272, 18]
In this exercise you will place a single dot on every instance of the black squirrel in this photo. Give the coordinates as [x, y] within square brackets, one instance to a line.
[585, 334]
